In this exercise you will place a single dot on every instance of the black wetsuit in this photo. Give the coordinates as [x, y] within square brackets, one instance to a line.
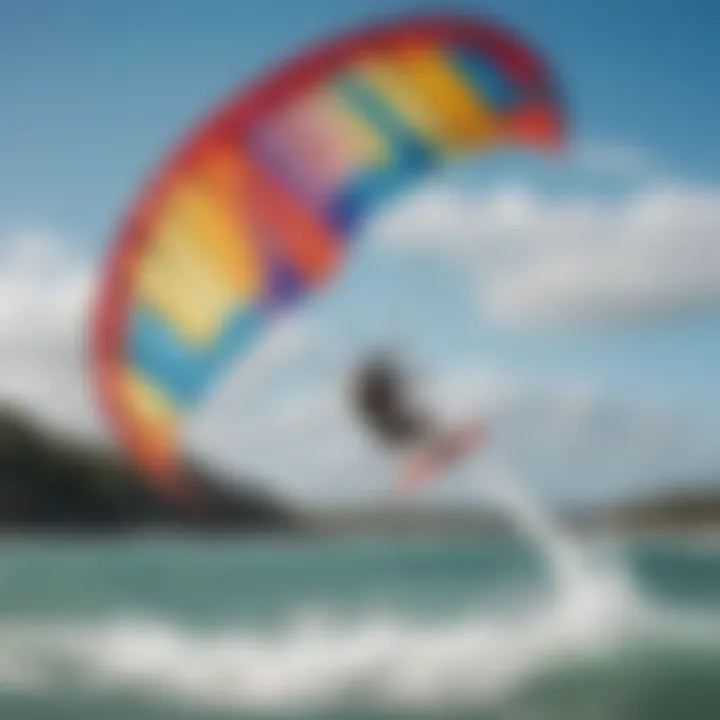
[382, 400]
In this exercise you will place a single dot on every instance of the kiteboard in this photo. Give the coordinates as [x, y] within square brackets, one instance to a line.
[429, 460]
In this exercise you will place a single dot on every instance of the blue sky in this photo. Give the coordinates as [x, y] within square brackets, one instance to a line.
[94, 93]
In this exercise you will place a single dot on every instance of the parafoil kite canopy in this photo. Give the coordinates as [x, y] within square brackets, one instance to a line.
[258, 206]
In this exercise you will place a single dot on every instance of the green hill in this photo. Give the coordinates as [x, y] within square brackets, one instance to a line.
[679, 509]
[54, 484]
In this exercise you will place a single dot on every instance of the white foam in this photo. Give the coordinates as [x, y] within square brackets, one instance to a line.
[318, 660]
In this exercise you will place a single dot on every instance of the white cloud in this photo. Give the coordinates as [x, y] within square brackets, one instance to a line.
[533, 260]
[44, 294]
[41, 291]
[281, 346]
[303, 437]
[569, 439]
[233, 417]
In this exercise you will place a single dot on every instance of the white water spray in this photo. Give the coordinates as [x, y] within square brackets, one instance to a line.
[564, 556]
[590, 596]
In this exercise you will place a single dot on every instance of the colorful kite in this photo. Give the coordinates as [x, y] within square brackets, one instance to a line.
[259, 205]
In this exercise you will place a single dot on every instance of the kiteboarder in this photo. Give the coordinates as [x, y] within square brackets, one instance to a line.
[389, 407]
[386, 403]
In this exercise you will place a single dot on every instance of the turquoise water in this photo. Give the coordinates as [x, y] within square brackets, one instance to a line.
[154, 629]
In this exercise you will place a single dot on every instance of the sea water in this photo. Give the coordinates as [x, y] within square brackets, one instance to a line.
[534, 627]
